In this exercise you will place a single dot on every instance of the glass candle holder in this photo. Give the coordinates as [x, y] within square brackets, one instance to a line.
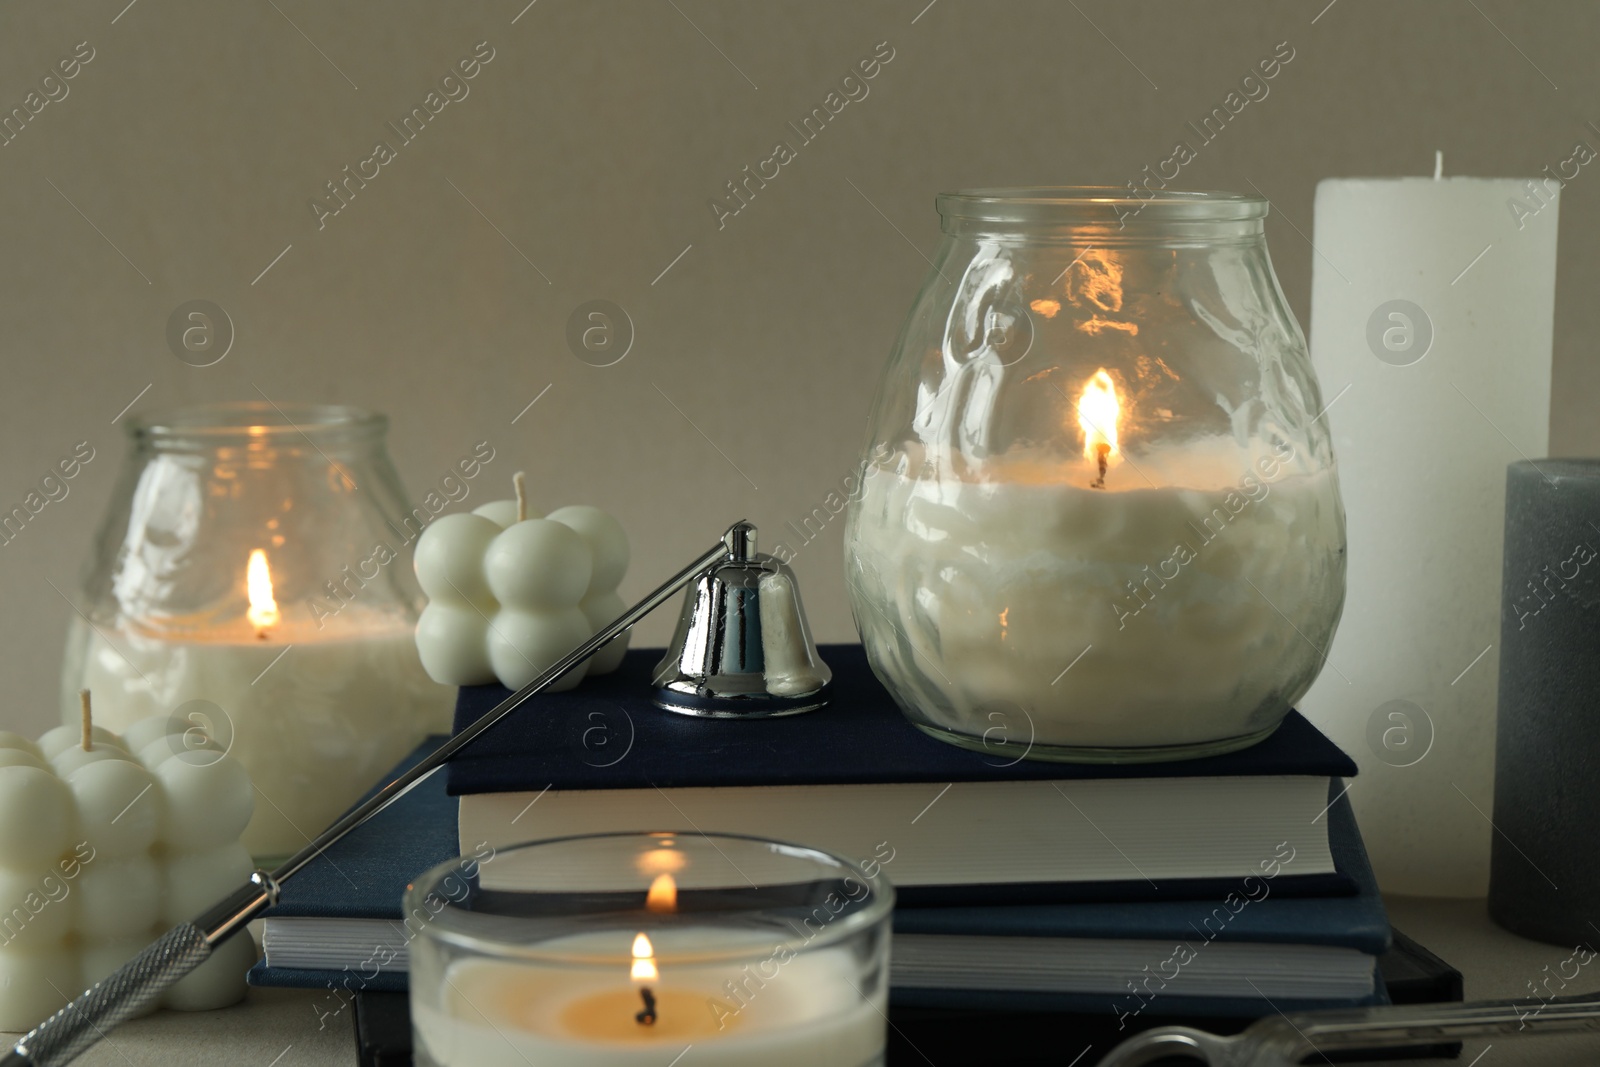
[625, 949]
[251, 581]
[1099, 518]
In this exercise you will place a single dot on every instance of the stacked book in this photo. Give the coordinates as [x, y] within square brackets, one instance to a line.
[1232, 886]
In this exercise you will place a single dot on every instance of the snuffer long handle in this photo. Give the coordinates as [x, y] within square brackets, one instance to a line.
[124, 994]
[64, 1036]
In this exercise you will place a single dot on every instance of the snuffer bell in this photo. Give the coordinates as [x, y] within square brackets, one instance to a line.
[742, 648]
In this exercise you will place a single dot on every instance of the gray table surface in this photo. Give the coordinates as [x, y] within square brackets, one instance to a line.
[281, 1027]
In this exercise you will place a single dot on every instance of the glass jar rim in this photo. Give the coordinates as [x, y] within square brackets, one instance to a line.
[452, 925]
[1098, 203]
[236, 421]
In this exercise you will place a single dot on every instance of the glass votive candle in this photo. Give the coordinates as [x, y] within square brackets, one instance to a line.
[622, 949]
[252, 582]
[1098, 516]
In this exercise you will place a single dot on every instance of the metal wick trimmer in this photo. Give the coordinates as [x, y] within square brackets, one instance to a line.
[112, 1001]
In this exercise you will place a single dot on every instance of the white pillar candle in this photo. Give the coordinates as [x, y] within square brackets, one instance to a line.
[496, 1014]
[1430, 330]
[102, 851]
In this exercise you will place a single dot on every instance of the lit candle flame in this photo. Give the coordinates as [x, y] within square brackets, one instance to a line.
[263, 611]
[1098, 413]
[663, 895]
[644, 960]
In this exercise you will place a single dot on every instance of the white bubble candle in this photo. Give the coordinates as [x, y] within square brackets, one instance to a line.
[509, 592]
[106, 842]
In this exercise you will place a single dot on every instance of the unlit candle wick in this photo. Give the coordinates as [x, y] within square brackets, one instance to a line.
[648, 1016]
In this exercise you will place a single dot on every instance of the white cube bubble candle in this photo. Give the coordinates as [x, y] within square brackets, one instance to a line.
[102, 851]
[509, 594]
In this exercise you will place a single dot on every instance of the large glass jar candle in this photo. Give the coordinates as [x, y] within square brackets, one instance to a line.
[628, 950]
[1100, 515]
[252, 580]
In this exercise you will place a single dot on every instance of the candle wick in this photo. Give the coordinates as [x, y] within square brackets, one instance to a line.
[520, 484]
[1102, 453]
[1438, 164]
[87, 719]
[648, 1016]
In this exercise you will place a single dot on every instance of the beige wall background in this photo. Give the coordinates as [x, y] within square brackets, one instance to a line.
[181, 162]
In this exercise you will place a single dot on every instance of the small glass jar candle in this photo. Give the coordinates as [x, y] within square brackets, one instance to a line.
[1099, 518]
[627, 949]
[253, 581]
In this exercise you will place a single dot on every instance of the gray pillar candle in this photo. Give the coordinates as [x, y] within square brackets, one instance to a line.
[1544, 878]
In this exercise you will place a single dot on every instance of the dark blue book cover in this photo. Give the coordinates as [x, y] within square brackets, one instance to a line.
[365, 874]
[606, 734]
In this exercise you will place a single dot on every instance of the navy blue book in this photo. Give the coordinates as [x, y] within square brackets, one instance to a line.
[857, 777]
[338, 927]
[365, 875]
